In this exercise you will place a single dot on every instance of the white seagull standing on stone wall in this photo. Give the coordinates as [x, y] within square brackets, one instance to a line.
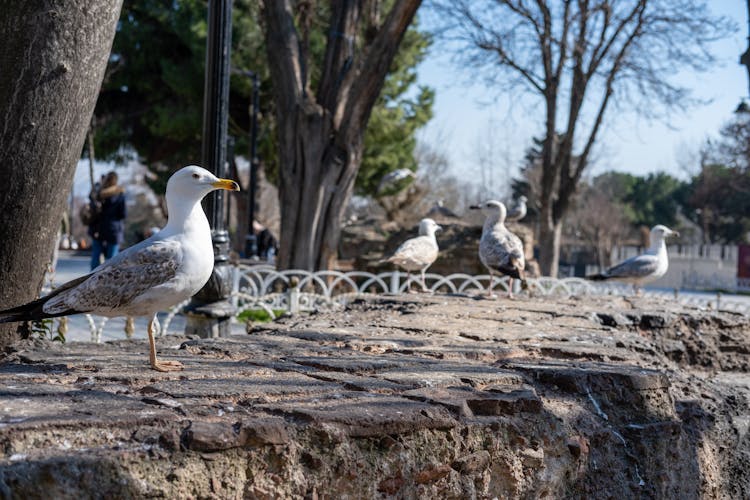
[154, 275]
[499, 249]
[644, 268]
[417, 254]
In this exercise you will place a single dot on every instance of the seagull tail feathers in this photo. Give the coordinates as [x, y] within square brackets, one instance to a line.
[27, 312]
[521, 274]
[34, 310]
[516, 269]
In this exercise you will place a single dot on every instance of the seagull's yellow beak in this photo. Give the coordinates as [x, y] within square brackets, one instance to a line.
[227, 184]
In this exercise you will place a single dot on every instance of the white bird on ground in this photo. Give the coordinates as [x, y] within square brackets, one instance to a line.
[154, 275]
[644, 268]
[417, 254]
[518, 212]
[499, 249]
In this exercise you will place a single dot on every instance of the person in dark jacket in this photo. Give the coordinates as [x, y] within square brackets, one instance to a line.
[107, 228]
[268, 246]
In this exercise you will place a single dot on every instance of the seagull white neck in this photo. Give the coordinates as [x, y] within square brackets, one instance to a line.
[492, 223]
[183, 217]
[657, 246]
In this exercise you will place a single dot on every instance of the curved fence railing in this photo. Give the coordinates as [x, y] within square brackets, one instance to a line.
[263, 288]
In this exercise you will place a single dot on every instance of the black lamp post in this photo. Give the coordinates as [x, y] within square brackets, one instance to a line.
[251, 240]
[209, 312]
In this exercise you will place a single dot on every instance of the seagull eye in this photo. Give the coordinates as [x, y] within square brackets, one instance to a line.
[196, 176]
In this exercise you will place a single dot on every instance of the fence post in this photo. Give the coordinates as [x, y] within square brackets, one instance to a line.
[235, 286]
[394, 283]
[293, 295]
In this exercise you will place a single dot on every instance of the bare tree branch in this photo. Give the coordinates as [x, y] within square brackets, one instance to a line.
[579, 57]
[374, 67]
[284, 44]
[340, 49]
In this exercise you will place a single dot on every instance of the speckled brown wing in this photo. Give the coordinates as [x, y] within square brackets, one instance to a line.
[415, 253]
[502, 251]
[114, 286]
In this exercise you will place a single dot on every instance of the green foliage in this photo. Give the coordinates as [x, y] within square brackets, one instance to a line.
[43, 328]
[151, 100]
[717, 200]
[653, 200]
[390, 137]
[258, 315]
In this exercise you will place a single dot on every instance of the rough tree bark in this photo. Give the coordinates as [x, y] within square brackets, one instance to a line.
[321, 131]
[53, 56]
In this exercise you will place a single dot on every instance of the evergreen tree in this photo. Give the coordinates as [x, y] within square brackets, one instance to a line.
[152, 98]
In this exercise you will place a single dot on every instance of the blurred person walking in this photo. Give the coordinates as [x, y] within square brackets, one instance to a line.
[107, 227]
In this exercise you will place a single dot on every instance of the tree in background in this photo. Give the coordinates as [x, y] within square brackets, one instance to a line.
[390, 138]
[432, 186]
[48, 87]
[599, 220]
[654, 199]
[151, 102]
[323, 105]
[578, 58]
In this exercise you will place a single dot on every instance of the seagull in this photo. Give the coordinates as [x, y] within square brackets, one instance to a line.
[519, 210]
[499, 249]
[417, 254]
[154, 275]
[393, 178]
[644, 268]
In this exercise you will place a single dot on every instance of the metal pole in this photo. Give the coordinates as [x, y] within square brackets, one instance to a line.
[251, 244]
[230, 160]
[209, 312]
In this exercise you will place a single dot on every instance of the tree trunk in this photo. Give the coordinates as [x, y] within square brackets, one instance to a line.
[321, 134]
[313, 199]
[550, 231]
[53, 56]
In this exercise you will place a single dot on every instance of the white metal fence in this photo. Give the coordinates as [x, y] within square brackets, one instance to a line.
[296, 291]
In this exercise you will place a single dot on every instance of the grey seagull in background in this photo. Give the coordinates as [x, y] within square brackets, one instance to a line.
[417, 254]
[644, 268]
[518, 211]
[500, 250]
[154, 275]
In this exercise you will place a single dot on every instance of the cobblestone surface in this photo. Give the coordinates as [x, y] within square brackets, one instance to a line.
[405, 397]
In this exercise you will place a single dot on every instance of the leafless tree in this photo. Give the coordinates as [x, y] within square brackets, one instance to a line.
[322, 111]
[599, 221]
[53, 56]
[434, 185]
[493, 161]
[579, 57]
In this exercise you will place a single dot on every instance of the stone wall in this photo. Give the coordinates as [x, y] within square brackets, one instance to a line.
[403, 397]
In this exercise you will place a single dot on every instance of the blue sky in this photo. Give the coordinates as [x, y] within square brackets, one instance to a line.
[466, 116]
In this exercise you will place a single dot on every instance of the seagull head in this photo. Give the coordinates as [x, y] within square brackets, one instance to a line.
[427, 227]
[660, 232]
[492, 209]
[522, 199]
[193, 183]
